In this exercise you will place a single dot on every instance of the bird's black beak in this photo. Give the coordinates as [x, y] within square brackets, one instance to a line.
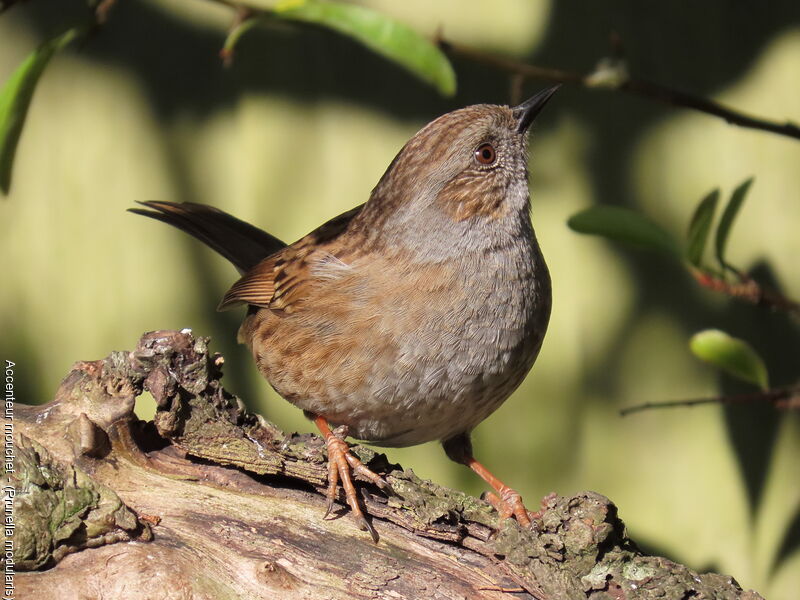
[527, 111]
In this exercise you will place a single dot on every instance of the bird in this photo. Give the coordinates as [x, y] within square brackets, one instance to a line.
[411, 317]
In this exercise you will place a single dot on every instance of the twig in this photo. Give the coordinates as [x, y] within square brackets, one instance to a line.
[617, 78]
[666, 95]
[749, 290]
[783, 398]
[103, 9]
[243, 20]
[508, 65]
[610, 74]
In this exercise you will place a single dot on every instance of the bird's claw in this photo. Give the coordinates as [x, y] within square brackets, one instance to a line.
[509, 504]
[342, 464]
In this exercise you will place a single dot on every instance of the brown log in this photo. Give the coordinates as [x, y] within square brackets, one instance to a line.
[208, 501]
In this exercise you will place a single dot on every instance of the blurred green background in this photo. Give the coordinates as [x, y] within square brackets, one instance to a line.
[302, 126]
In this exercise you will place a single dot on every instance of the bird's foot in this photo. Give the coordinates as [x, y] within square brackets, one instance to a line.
[509, 504]
[342, 464]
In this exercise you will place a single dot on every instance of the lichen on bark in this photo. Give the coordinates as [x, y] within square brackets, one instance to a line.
[59, 509]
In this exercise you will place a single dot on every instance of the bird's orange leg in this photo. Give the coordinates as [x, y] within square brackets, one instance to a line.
[341, 462]
[506, 501]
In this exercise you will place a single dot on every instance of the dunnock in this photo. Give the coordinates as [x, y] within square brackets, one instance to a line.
[409, 318]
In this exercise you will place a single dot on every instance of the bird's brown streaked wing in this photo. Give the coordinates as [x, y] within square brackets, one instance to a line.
[280, 281]
[255, 287]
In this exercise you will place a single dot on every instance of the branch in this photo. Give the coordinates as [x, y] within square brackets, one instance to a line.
[747, 289]
[614, 76]
[610, 74]
[661, 93]
[231, 507]
[782, 398]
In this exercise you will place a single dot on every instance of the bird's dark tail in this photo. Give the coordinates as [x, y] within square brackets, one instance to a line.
[239, 242]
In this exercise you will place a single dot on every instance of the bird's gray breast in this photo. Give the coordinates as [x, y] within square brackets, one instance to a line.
[471, 345]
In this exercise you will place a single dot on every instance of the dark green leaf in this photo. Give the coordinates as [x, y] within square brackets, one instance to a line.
[727, 219]
[732, 355]
[699, 227]
[623, 225]
[15, 98]
[379, 33]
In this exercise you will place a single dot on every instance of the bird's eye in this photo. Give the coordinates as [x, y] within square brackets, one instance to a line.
[485, 154]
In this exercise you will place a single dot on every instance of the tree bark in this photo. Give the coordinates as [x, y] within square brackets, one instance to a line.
[208, 501]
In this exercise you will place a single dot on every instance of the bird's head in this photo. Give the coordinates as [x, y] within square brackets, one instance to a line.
[467, 166]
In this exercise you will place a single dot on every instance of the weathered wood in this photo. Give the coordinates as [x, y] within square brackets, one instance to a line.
[209, 501]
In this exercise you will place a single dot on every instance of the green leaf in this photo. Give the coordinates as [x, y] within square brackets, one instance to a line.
[15, 98]
[732, 355]
[623, 225]
[727, 219]
[383, 35]
[699, 227]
